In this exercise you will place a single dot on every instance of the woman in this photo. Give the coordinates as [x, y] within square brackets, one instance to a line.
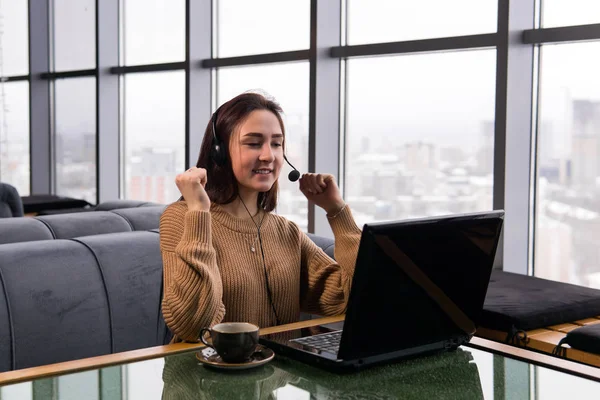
[226, 256]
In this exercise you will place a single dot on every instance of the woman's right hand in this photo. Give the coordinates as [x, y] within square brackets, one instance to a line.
[191, 184]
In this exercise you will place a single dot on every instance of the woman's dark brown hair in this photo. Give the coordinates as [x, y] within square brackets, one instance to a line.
[221, 185]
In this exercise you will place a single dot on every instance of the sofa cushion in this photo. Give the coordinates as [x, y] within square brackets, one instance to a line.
[23, 229]
[519, 302]
[131, 265]
[56, 300]
[586, 338]
[121, 203]
[5, 335]
[67, 226]
[141, 218]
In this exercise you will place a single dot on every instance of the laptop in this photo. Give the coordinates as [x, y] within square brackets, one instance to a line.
[418, 288]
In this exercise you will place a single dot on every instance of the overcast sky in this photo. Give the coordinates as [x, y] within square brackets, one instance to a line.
[439, 97]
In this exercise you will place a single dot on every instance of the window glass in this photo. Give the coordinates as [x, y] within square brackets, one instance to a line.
[14, 135]
[14, 38]
[570, 12]
[74, 34]
[373, 21]
[154, 31]
[75, 140]
[262, 26]
[568, 165]
[420, 134]
[154, 140]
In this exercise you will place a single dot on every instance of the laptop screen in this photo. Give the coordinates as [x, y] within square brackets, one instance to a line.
[419, 282]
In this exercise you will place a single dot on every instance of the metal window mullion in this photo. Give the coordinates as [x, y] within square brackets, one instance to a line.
[483, 40]
[198, 97]
[324, 98]
[41, 158]
[15, 78]
[266, 58]
[514, 122]
[561, 34]
[128, 69]
[108, 153]
[110, 381]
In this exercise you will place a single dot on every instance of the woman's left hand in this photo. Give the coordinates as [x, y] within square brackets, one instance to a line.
[322, 190]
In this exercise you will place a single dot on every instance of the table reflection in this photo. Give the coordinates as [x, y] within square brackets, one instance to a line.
[443, 376]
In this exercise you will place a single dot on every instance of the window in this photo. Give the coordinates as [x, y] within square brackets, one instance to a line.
[154, 31]
[420, 134]
[570, 12]
[262, 26]
[288, 84]
[17, 391]
[372, 21]
[78, 386]
[75, 138]
[14, 38]
[14, 135]
[143, 380]
[552, 384]
[74, 30]
[154, 137]
[568, 165]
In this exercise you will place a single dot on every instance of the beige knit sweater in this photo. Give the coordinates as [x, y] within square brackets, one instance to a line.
[211, 275]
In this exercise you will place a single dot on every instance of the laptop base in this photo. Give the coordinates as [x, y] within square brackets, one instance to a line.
[286, 346]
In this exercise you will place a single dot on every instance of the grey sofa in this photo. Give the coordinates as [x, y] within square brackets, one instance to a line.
[66, 299]
[10, 201]
[67, 226]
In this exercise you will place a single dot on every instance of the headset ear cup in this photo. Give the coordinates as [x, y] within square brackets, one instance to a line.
[218, 156]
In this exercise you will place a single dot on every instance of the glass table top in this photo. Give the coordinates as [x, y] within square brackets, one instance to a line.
[464, 374]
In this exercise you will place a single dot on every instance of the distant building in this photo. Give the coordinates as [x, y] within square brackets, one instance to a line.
[586, 142]
[151, 175]
[485, 154]
[421, 156]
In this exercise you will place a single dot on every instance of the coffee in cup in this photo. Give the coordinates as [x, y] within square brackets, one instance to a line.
[235, 342]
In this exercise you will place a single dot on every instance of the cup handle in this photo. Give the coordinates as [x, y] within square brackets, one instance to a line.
[202, 332]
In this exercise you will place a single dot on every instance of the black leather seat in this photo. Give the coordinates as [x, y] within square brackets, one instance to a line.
[522, 303]
[44, 202]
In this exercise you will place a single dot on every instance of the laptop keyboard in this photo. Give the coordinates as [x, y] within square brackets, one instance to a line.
[329, 342]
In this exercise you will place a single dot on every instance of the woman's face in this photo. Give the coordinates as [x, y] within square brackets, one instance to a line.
[257, 151]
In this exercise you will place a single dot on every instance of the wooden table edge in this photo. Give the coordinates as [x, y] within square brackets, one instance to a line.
[108, 360]
[536, 358]
[44, 371]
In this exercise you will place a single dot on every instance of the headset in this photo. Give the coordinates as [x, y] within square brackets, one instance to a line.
[219, 156]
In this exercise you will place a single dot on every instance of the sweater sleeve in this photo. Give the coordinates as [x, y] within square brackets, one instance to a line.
[326, 283]
[192, 291]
